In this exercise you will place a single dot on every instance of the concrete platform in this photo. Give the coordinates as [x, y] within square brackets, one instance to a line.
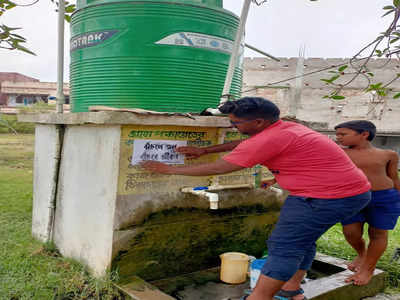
[329, 285]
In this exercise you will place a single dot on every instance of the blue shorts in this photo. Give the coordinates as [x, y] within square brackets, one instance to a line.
[382, 212]
[291, 245]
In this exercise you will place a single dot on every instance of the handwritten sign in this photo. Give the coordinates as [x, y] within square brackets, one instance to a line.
[157, 150]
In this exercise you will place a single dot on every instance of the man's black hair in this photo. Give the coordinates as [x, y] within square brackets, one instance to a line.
[252, 108]
[360, 126]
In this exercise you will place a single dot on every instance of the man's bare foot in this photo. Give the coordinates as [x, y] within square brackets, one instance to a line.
[355, 264]
[362, 277]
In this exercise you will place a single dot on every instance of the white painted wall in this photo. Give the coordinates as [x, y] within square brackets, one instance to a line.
[44, 180]
[87, 195]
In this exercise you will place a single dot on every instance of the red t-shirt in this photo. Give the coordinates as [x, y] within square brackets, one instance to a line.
[303, 161]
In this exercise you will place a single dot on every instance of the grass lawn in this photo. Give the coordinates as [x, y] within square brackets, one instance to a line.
[333, 243]
[32, 270]
[29, 269]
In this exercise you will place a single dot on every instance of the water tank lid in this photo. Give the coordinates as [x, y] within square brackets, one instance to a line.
[207, 3]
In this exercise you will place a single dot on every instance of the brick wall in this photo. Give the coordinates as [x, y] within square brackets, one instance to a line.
[14, 77]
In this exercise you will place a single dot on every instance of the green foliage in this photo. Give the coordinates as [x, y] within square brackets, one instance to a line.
[385, 45]
[378, 88]
[69, 9]
[12, 41]
[38, 107]
[9, 39]
[28, 268]
[6, 5]
[333, 243]
[10, 124]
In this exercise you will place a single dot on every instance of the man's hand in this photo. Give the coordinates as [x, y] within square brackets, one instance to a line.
[156, 167]
[191, 152]
[265, 184]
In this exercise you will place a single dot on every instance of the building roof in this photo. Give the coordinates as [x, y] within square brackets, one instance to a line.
[32, 88]
[15, 77]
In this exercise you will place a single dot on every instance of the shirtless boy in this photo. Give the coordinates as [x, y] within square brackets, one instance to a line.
[381, 168]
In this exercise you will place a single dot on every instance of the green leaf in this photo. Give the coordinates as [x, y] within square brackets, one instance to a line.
[11, 28]
[396, 96]
[388, 13]
[11, 5]
[370, 74]
[396, 3]
[388, 7]
[342, 68]
[334, 72]
[70, 8]
[4, 35]
[338, 97]
[326, 97]
[18, 40]
[67, 18]
[18, 36]
[381, 92]
[333, 78]
[326, 80]
[394, 40]
[22, 48]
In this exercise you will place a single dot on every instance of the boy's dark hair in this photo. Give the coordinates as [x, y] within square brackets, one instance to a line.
[360, 126]
[252, 108]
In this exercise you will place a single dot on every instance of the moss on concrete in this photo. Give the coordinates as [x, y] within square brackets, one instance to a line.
[173, 285]
[184, 240]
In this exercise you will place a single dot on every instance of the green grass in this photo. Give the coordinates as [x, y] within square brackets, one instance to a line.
[333, 243]
[9, 124]
[28, 268]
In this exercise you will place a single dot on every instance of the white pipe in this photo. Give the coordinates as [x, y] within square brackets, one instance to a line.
[234, 57]
[235, 51]
[230, 187]
[278, 191]
[212, 197]
[60, 58]
[261, 52]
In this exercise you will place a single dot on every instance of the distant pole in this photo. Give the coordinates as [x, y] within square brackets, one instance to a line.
[60, 59]
[295, 99]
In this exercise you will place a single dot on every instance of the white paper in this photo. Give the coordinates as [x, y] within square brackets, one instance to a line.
[158, 150]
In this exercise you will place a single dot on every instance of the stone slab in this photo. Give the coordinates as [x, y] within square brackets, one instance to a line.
[116, 117]
[122, 118]
[334, 287]
[138, 289]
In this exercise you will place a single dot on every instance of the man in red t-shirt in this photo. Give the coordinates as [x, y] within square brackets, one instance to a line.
[325, 187]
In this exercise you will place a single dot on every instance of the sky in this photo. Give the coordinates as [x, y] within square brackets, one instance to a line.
[327, 28]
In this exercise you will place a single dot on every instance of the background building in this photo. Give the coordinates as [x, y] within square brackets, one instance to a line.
[20, 90]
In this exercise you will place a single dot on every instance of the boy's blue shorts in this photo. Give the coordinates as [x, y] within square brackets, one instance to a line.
[291, 245]
[382, 212]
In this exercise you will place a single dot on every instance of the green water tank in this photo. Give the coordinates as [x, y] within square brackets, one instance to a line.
[165, 55]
